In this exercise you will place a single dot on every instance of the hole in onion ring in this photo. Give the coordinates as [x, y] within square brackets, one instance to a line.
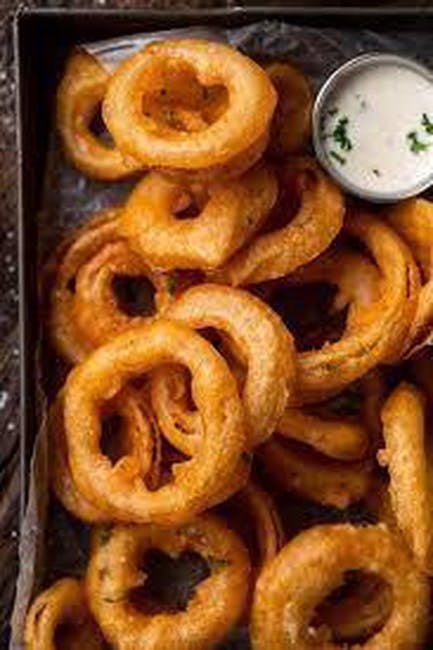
[71, 284]
[65, 636]
[134, 295]
[190, 211]
[310, 315]
[347, 404]
[357, 609]
[97, 127]
[175, 101]
[170, 582]
[112, 439]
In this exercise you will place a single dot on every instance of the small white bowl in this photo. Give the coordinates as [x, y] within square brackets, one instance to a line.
[326, 92]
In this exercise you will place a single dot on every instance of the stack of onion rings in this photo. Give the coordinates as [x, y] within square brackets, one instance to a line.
[198, 481]
[185, 385]
[263, 344]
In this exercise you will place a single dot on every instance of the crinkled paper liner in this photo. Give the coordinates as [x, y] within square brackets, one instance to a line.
[52, 544]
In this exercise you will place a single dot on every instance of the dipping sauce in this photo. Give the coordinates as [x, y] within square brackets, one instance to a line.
[374, 130]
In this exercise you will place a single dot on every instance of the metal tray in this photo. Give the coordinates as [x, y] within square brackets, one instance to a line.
[42, 39]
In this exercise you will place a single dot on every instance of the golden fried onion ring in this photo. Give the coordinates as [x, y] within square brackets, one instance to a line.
[413, 220]
[245, 120]
[291, 124]
[215, 607]
[196, 481]
[230, 215]
[316, 477]
[317, 222]
[406, 455]
[339, 438]
[338, 364]
[69, 258]
[62, 603]
[312, 565]
[135, 440]
[264, 344]
[96, 311]
[80, 92]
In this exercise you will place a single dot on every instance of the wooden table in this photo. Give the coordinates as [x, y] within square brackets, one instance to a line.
[9, 350]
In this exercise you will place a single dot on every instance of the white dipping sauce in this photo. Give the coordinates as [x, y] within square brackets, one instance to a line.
[377, 128]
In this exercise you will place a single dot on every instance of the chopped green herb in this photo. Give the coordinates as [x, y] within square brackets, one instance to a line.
[416, 146]
[104, 535]
[216, 564]
[112, 599]
[337, 157]
[376, 172]
[333, 111]
[427, 124]
[340, 134]
[171, 119]
[171, 285]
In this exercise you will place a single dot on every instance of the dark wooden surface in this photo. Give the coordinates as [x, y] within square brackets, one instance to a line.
[9, 349]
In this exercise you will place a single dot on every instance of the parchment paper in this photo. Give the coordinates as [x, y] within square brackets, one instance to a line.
[52, 543]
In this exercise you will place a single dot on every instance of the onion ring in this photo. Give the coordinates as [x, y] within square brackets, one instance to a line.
[315, 476]
[246, 119]
[406, 456]
[338, 364]
[317, 222]
[196, 481]
[291, 124]
[80, 92]
[413, 220]
[63, 603]
[135, 440]
[231, 214]
[215, 607]
[96, 311]
[69, 258]
[264, 344]
[342, 439]
[313, 565]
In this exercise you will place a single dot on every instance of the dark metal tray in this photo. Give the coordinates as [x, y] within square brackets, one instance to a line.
[42, 39]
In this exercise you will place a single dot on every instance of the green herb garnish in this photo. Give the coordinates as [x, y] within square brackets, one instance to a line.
[347, 403]
[340, 134]
[416, 146]
[171, 285]
[216, 564]
[104, 535]
[337, 157]
[112, 599]
[427, 124]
